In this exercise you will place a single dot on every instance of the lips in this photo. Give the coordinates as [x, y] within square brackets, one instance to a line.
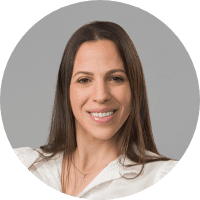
[102, 120]
[102, 110]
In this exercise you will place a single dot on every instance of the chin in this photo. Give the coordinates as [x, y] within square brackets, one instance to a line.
[103, 134]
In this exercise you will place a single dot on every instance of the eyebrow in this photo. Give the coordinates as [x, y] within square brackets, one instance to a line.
[107, 73]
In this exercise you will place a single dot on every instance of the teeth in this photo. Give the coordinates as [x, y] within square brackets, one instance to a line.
[102, 114]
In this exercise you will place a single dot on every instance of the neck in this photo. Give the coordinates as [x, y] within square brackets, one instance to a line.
[94, 153]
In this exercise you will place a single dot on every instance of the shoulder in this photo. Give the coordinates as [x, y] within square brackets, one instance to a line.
[164, 167]
[159, 169]
[27, 155]
[48, 172]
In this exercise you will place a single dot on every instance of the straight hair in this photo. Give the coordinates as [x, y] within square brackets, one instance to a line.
[135, 136]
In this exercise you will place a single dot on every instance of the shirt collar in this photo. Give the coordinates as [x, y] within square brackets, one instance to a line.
[114, 170]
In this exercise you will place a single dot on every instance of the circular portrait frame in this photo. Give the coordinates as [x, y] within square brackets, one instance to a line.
[23, 177]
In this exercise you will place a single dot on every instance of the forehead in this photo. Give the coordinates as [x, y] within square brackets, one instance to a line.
[98, 54]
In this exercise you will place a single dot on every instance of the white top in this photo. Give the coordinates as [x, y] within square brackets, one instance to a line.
[108, 184]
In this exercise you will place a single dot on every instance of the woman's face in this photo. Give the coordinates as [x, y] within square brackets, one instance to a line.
[99, 86]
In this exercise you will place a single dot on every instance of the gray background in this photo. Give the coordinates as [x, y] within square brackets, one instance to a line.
[28, 85]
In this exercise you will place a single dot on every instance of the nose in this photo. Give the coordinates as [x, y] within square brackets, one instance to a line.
[101, 92]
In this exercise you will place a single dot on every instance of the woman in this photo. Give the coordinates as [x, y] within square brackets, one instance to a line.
[100, 144]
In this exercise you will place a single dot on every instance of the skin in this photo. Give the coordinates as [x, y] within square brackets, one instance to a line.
[95, 141]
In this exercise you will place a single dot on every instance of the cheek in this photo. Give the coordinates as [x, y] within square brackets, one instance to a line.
[123, 95]
[74, 99]
[77, 97]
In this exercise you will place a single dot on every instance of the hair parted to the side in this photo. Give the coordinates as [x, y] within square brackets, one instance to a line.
[135, 132]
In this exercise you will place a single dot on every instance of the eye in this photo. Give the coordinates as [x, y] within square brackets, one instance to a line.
[83, 80]
[117, 79]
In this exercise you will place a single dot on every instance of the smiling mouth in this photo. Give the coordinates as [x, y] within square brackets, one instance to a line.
[102, 115]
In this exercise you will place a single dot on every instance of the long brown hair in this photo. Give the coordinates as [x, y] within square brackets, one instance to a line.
[135, 132]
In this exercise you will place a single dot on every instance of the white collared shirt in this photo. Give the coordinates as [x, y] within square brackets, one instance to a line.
[108, 184]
